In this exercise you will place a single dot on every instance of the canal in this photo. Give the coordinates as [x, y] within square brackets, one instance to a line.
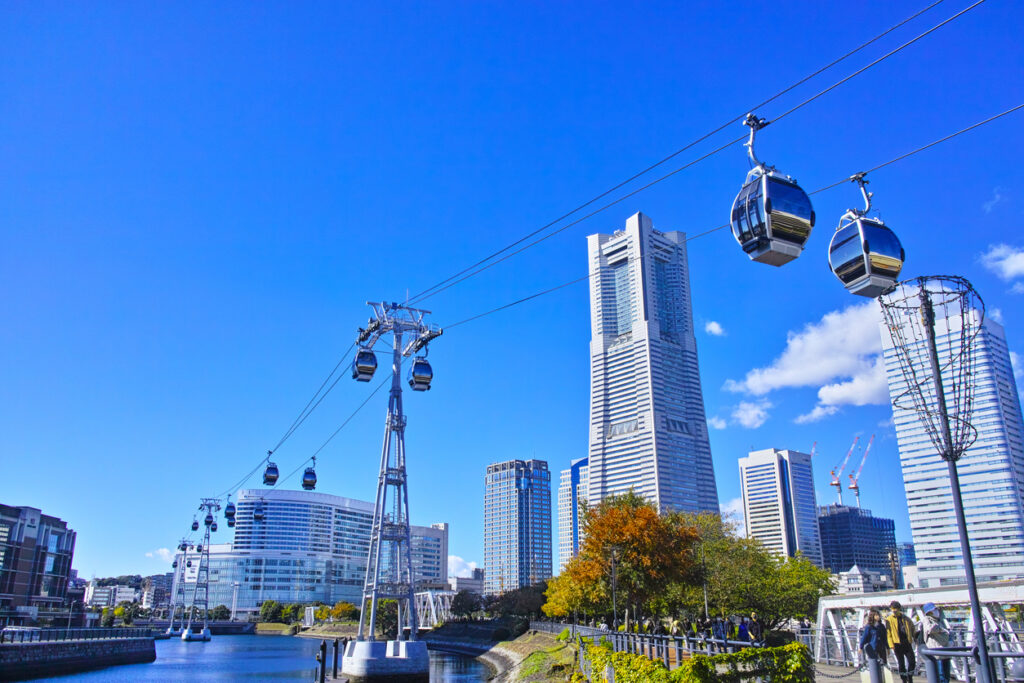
[256, 658]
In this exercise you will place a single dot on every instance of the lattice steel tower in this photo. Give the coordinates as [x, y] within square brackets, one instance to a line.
[388, 568]
[201, 592]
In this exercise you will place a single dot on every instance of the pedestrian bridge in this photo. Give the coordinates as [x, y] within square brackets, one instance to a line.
[840, 617]
[433, 607]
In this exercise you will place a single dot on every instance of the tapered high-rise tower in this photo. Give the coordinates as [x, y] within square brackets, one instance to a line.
[648, 429]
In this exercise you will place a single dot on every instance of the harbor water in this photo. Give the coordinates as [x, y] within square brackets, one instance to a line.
[254, 658]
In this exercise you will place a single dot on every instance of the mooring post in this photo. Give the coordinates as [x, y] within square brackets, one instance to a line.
[335, 657]
[322, 658]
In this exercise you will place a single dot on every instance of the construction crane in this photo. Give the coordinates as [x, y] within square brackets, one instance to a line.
[854, 486]
[838, 471]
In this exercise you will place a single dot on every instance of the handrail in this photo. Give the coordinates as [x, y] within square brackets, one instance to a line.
[50, 635]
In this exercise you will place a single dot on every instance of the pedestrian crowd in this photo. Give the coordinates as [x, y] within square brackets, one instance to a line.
[898, 634]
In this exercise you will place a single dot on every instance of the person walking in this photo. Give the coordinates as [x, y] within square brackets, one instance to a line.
[901, 631]
[874, 639]
[743, 631]
[936, 635]
[756, 628]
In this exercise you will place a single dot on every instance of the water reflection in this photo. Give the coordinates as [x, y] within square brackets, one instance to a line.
[257, 658]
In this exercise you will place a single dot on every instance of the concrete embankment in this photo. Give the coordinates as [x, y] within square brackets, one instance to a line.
[21, 661]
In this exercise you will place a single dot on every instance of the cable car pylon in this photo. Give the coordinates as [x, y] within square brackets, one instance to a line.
[201, 591]
[388, 566]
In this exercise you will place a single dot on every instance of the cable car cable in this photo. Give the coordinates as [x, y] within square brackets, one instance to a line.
[723, 227]
[456, 279]
[307, 410]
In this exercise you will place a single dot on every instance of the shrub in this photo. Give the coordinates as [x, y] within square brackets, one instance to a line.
[563, 636]
[787, 664]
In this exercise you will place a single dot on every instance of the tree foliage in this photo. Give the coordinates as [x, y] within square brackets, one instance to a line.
[465, 603]
[626, 539]
[271, 611]
[344, 611]
[387, 618]
[220, 613]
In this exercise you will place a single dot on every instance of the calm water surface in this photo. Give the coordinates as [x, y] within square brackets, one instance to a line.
[254, 658]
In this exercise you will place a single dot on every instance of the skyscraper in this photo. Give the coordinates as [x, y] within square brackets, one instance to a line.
[853, 536]
[517, 525]
[779, 504]
[572, 487]
[648, 429]
[991, 471]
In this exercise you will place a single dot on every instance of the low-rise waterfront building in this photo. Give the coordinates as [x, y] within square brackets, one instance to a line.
[36, 551]
[857, 580]
[473, 584]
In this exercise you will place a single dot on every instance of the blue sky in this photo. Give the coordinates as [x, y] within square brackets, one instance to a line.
[196, 202]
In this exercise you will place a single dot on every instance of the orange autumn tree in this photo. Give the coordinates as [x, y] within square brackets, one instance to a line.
[650, 552]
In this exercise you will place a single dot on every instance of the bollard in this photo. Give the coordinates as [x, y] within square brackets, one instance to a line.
[335, 657]
[874, 667]
[931, 668]
[322, 658]
[609, 673]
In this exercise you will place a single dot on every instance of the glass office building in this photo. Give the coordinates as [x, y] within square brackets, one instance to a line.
[779, 504]
[309, 547]
[572, 488]
[36, 551]
[991, 471]
[517, 525]
[648, 429]
[853, 536]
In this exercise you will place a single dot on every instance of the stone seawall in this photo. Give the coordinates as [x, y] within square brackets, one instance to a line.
[21, 661]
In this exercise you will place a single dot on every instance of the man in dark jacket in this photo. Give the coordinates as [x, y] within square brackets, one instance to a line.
[756, 628]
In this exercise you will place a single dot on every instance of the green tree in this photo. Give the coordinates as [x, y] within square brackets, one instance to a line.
[220, 613]
[270, 611]
[322, 613]
[465, 603]
[387, 618]
[107, 620]
[344, 611]
[292, 612]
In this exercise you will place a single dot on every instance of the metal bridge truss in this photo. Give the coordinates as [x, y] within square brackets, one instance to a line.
[433, 607]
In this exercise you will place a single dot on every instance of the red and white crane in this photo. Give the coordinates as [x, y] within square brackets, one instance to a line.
[854, 479]
[838, 471]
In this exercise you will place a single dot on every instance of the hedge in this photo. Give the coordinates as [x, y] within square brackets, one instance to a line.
[787, 664]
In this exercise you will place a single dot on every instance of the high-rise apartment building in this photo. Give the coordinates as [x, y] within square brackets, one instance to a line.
[35, 564]
[779, 504]
[991, 471]
[648, 429]
[853, 536]
[572, 488]
[517, 525]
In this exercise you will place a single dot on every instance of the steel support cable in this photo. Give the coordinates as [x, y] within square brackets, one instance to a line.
[297, 422]
[678, 151]
[454, 280]
[723, 227]
[336, 432]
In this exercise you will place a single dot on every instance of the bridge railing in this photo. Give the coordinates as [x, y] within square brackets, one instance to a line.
[51, 635]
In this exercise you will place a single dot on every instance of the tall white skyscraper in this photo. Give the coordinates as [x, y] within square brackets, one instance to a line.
[779, 504]
[648, 429]
[991, 471]
[572, 487]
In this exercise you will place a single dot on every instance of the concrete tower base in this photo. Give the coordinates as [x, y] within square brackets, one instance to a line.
[392, 660]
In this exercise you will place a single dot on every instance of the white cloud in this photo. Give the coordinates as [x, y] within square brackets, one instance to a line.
[459, 567]
[841, 345]
[161, 553]
[751, 414]
[716, 422]
[1018, 288]
[997, 196]
[819, 413]
[733, 511]
[996, 314]
[1018, 369]
[868, 386]
[1004, 260]
[714, 328]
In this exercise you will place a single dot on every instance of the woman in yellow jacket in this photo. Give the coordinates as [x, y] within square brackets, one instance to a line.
[901, 632]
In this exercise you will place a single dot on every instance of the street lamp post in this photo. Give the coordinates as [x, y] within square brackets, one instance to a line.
[71, 610]
[615, 611]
